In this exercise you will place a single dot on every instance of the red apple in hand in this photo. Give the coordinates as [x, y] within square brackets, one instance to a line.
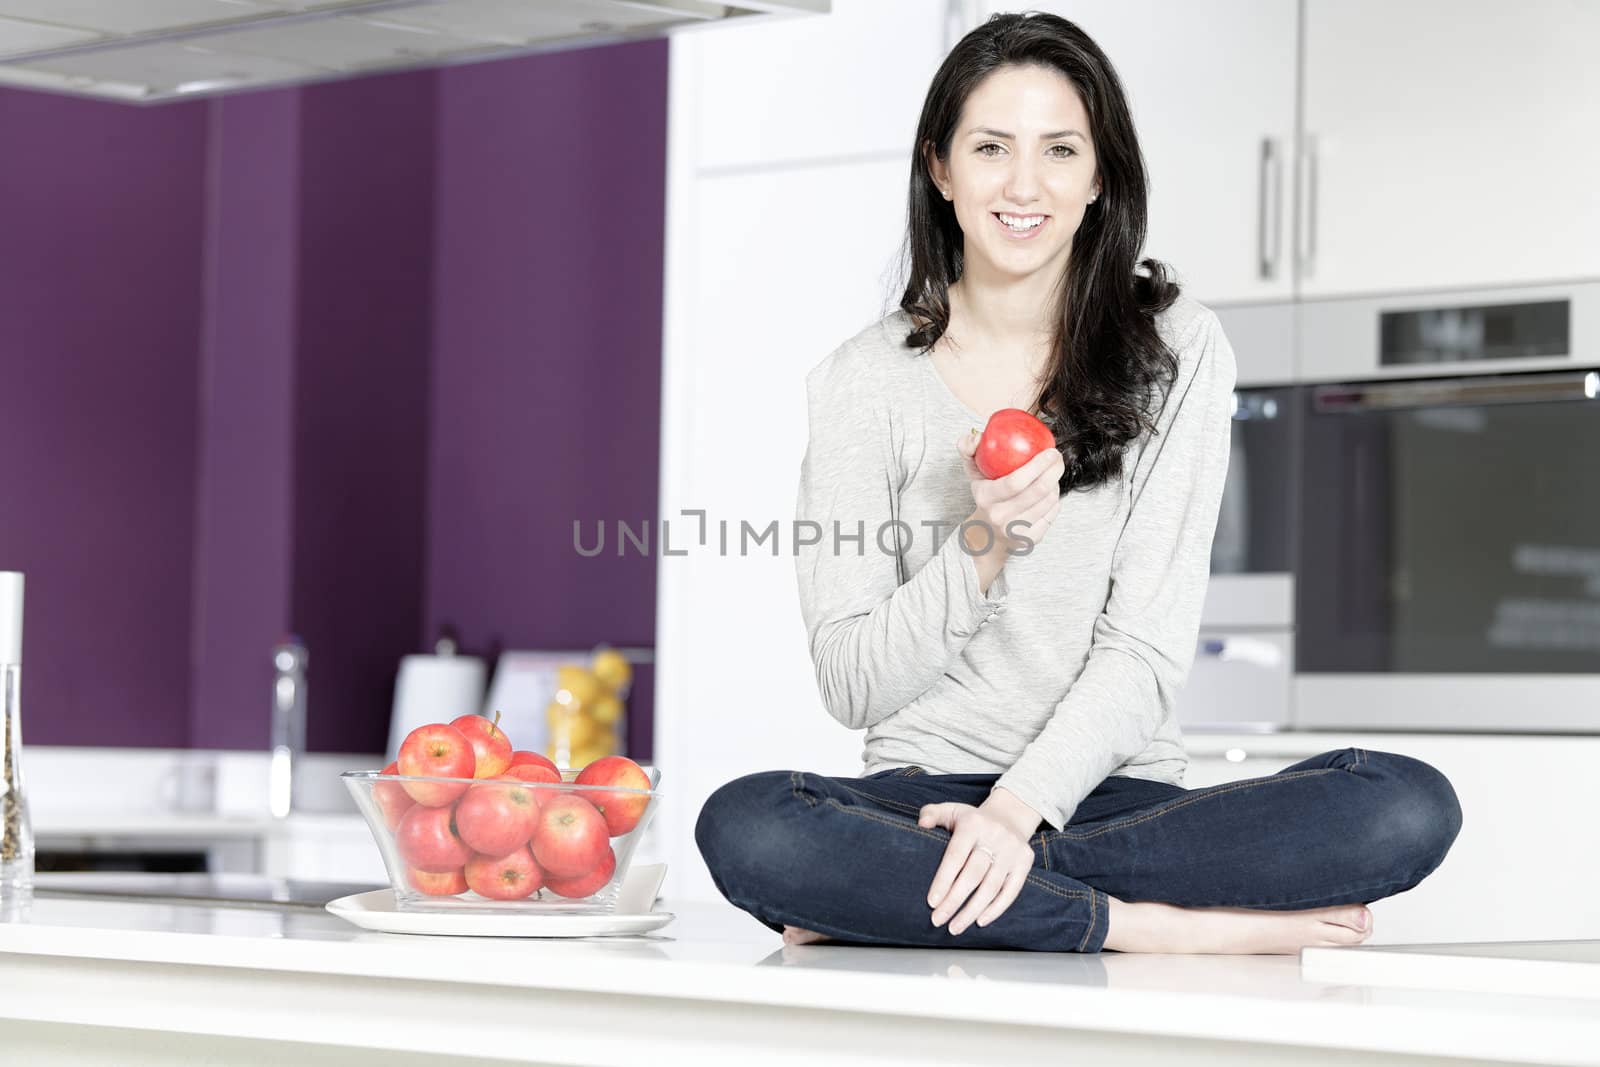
[1011, 438]
[536, 772]
[519, 758]
[496, 818]
[505, 877]
[586, 884]
[490, 744]
[427, 840]
[392, 798]
[436, 751]
[447, 884]
[621, 810]
[569, 836]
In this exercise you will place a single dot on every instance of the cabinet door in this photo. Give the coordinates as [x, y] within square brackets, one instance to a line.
[1454, 143]
[1516, 872]
[736, 692]
[834, 86]
[1210, 85]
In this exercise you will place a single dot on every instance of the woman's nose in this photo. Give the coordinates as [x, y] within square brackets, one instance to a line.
[1022, 184]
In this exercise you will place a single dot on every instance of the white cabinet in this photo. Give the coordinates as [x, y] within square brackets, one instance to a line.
[769, 268]
[1522, 867]
[1453, 143]
[839, 86]
[1212, 90]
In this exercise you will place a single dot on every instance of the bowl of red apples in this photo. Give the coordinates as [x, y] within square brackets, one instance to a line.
[467, 822]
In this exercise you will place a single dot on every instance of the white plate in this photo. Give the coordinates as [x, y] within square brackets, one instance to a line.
[377, 911]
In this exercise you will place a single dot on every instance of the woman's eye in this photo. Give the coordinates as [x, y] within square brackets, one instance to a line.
[983, 150]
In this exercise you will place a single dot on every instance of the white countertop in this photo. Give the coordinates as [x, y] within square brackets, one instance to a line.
[717, 984]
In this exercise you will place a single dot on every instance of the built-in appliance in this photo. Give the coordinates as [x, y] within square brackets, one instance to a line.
[1415, 543]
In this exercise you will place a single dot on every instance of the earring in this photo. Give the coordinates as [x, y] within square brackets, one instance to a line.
[946, 194]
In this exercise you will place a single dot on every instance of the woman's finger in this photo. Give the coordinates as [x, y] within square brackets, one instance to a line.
[974, 866]
[993, 881]
[1003, 900]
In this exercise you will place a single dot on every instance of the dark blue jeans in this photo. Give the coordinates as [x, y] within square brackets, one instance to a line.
[845, 857]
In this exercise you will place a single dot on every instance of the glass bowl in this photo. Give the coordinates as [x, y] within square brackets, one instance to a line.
[577, 840]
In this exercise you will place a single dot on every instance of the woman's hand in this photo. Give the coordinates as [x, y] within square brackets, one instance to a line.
[968, 874]
[1029, 495]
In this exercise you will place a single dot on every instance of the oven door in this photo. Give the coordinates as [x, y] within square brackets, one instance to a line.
[1244, 661]
[1449, 555]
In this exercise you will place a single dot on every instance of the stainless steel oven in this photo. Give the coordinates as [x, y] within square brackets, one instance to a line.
[1410, 531]
[1449, 554]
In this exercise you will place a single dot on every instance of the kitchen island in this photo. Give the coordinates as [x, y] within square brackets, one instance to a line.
[116, 981]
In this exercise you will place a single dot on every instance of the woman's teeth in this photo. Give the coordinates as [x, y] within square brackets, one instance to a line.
[1018, 222]
[1021, 227]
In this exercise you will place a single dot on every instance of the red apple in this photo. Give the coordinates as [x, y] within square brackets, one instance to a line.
[569, 836]
[447, 884]
[496, 818]
[1011, 438]
[490, 744]
[521, 757]
[436, 751]
[505, 877]
[536, 772]
[427, 840]
[621, 810]
[585, 884]
[391, 798]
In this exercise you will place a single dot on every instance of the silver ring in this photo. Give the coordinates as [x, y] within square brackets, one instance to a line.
[985, 848]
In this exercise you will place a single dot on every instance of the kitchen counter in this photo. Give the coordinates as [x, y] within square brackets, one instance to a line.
[129, 983]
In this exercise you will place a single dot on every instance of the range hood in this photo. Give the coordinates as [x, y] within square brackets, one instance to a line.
[145, 51]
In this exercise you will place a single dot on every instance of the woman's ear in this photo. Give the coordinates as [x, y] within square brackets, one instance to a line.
[936, 169]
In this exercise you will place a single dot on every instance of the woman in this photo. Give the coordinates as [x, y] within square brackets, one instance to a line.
[1017, 676]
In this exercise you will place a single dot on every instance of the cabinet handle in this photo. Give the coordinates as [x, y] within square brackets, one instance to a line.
[1269, 210]
[1240, 650]
[1308, 206]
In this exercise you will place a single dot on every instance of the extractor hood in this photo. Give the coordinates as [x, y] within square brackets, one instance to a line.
[145, 51]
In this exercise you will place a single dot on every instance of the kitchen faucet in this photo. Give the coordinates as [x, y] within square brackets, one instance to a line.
[289, 659]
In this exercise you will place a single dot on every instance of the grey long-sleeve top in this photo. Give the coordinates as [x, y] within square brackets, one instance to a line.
[1068, 669]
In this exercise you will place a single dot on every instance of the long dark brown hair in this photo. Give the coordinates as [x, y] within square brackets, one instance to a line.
[1109, 360]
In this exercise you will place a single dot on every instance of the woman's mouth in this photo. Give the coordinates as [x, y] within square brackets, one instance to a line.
[1020, 227]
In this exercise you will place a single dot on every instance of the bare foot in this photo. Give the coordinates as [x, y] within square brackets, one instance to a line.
[793, 935]
[1150, 926]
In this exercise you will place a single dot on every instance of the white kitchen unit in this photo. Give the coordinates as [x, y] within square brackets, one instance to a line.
[1523, 867]
[1449, 145]
[786, 91]
[140, 984]
[1212, 88]
[784, 225]
[109, 802]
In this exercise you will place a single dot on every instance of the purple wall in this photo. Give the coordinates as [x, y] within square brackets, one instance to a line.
[361, 408]
[346, 360]
[245, 507]
[101, 211]
[546, 398]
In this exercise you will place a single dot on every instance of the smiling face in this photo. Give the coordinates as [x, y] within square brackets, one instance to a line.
[1021, 172]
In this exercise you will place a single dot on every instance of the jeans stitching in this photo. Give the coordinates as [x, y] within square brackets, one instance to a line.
[796, 786]
[1093, 909]
[885, 819]
[1049, 887]
[1135, 820]
[909, 809]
